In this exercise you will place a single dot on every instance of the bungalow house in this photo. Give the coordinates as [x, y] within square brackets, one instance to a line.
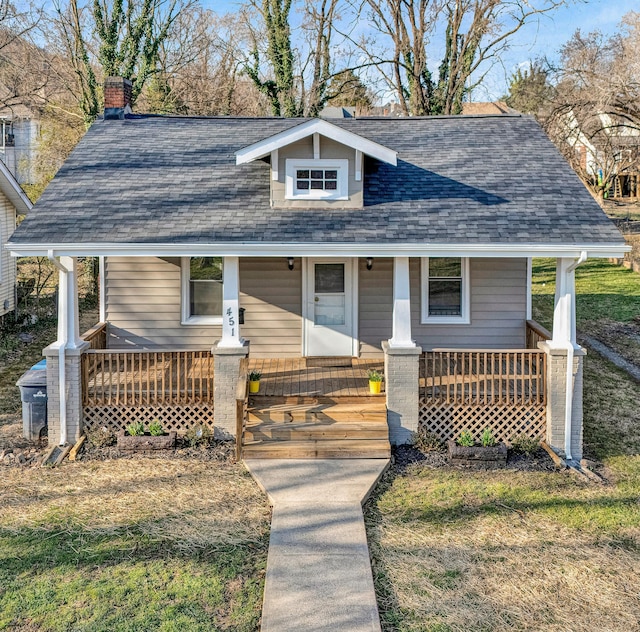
[311, 251]
[12, 201]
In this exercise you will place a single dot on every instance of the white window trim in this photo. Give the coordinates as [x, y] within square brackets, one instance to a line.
[185, 300]
[340, 165]
[465, 316]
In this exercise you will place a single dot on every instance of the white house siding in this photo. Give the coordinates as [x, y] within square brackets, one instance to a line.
[143, 306]
[7, 263]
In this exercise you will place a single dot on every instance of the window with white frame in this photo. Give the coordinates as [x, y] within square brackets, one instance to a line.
[445, 290]
[317, 179]
[201, 290]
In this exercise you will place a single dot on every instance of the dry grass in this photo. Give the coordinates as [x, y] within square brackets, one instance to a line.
[194, 504]
[506, 572]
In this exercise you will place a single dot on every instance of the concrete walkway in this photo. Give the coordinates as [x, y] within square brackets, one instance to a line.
[318, 569]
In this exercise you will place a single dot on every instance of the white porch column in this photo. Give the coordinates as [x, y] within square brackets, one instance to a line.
[230, 304]
[564, 312]
[64, 383]
[68, 313]
[401, 324]
[564, 367]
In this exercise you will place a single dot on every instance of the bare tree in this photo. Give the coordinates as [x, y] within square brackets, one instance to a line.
[475, 32]
[594, 117]
[111, 37]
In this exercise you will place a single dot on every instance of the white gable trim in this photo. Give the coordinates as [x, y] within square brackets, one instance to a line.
[10, 187]
[323, 128]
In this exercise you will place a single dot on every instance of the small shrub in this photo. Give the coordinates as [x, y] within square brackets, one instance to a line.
[255, 376]
[524, 444]
[465, 439]
[155, 428]
[374, 376]
[487, 439]
[135, 429]
[197, 435]
[426, 441]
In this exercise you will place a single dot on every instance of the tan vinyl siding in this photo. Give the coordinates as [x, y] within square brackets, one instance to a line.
[329, 149]
[143, 305]
[7, 262]
[375, 305]
[272, 297]
[498, 308]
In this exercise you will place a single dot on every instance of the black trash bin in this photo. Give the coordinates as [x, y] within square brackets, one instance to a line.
[33, 391]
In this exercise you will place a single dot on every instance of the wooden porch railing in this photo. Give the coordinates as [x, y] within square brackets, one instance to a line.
[242, 396]
[96, 336]
[485, 377]
[535, 333]
[115, 377]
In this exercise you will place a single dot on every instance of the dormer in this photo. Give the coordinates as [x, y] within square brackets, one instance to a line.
[316, 165]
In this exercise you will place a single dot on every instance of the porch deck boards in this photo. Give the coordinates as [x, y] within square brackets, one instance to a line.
[292, 377]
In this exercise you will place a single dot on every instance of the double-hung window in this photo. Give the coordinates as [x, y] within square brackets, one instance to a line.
[445, 290]
[201, 290]
[321, 179]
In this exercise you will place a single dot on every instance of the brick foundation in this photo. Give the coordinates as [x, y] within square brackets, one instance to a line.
[229, 363]
[73, 380]
[401, 374]
[556, 382]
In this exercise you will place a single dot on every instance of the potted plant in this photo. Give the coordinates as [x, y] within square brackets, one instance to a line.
[254, 381]
[135, 439]
[375, 381]
[485, 453]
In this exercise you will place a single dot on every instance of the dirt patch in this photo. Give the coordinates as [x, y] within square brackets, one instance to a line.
[623, 338]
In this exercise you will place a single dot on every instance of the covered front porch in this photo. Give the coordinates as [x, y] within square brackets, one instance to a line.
[509, 389]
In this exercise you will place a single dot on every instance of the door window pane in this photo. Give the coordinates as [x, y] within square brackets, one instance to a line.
[329, 278]
[329, 310]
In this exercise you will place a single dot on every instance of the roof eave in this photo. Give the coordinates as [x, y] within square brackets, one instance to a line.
[292, 249]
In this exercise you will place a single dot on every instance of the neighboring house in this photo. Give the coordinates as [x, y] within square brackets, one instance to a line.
[12, 201]
[475, 108]
[317, 249]
[607, 150]
[20, 127]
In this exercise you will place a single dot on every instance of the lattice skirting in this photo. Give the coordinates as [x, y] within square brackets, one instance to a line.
[178, 418]
[446, 421]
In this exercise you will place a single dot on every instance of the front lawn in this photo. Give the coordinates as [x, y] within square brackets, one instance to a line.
[132, 544]
[458, 550]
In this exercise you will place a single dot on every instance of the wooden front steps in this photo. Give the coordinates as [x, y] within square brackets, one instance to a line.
[320, 428]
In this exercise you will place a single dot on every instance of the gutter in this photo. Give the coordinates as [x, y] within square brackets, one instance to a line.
[62, 375]
[568, 390]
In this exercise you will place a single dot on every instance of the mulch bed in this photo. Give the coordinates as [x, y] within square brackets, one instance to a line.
[404, 456]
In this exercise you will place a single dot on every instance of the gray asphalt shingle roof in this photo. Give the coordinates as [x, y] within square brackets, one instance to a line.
[458, 180]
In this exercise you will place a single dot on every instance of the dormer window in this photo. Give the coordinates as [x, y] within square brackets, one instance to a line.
[317, 179]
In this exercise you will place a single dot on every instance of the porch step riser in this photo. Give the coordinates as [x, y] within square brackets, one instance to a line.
[301, 416]
[287, 432]
[343, 448]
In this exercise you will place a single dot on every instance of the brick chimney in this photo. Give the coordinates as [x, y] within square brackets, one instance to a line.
[117, 97]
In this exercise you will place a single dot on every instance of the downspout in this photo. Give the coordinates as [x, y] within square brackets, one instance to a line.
[62, 375]
[568, 389]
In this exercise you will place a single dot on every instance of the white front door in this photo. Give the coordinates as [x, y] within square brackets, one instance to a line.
[330, 318]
